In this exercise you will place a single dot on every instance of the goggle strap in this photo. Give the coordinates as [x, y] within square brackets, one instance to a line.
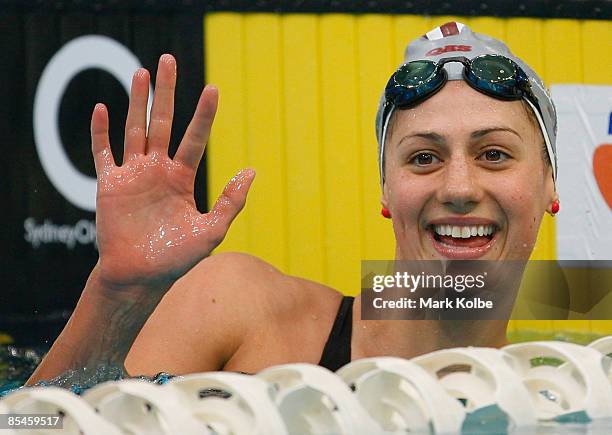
[551, 154]
[383, 135]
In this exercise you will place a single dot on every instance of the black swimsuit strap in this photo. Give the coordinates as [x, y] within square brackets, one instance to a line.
[337, 350]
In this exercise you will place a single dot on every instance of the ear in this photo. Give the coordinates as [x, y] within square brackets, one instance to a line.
[384, 197]
[551, 192]
[551, 195]
[555, 197]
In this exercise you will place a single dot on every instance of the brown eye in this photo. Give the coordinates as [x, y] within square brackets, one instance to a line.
[494, 156]
[424, 159]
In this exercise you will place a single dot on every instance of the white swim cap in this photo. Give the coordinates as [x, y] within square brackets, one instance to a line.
[456, 39]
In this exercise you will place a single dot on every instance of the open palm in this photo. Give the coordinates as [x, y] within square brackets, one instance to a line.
[149, 229]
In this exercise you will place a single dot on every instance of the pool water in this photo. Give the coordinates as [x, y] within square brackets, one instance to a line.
[18, 363]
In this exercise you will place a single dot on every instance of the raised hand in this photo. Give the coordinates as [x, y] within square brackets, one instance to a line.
[149, 230]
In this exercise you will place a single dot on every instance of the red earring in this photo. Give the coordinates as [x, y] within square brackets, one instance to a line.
[385, 212]
[554, 208]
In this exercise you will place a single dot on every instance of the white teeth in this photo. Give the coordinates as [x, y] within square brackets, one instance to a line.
[464, 232]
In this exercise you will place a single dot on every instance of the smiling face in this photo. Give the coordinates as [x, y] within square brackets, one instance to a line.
[465, 178]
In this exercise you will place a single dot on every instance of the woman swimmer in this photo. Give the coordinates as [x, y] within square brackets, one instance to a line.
[462, 174]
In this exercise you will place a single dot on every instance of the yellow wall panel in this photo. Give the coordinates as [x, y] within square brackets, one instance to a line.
[264, 126]
[563, 54]
[494, 27]
[375, 58]
[526, 326]
[341, 154]
[600, 327]
[597, 52]
[227, 151]
[303, 146]
[298, 99]
[524, 38]
[405, 29]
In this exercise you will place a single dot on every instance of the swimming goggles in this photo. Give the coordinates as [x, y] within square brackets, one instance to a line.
[491, 74]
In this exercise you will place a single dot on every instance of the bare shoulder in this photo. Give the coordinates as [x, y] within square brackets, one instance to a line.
[209, 317]
[257, 283]
[289, 320]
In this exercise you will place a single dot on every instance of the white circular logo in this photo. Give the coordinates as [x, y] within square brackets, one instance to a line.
[91, 51]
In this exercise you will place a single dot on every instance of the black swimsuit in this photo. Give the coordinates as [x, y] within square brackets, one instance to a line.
[337, 350]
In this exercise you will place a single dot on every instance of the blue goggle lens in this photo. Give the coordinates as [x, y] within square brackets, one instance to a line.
[493, 68]
[414, 73]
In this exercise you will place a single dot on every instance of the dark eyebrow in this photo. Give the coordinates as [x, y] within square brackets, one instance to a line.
[433, 137]
[480, 133]
[440, 140]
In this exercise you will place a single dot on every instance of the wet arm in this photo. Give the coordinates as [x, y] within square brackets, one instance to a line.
[101, 330]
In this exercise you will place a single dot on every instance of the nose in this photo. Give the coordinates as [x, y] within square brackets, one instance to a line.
[461, 190]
